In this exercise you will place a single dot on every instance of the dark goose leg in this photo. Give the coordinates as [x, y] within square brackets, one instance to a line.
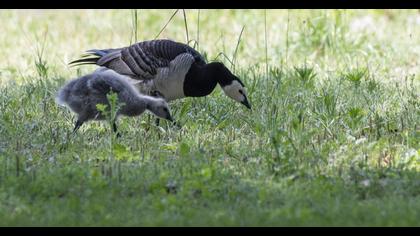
[173, 123]
[77, 125]
[157, 94]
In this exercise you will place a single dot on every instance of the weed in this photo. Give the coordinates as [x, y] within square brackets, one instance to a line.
[331, 141]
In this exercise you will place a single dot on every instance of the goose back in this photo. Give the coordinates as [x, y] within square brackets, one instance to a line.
[142, 60]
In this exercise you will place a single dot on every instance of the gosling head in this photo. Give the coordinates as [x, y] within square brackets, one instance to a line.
[159, 107]
[232, 86]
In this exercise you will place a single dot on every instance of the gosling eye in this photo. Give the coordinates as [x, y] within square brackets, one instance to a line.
[241, 92]
[165, 109]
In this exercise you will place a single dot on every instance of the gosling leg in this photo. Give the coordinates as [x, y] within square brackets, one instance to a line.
[114, 128]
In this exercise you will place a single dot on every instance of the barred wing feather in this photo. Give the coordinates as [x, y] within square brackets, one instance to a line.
[141, 60]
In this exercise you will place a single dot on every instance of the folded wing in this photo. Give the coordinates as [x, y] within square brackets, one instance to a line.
[141, 60]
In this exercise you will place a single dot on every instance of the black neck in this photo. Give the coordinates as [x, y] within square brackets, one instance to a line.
[201, 80]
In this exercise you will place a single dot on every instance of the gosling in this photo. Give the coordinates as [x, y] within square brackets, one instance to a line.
[81, 95]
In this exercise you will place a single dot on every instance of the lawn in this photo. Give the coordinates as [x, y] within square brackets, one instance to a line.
[333, 138]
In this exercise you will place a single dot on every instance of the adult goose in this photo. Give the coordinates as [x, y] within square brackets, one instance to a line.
[168, 69]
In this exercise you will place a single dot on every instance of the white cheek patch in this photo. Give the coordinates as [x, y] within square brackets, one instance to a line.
[232, 91]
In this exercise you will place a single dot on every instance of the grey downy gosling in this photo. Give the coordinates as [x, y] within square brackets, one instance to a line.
[82, 95]
[168, 69]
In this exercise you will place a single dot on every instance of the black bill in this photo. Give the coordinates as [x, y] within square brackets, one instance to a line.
[246, 103]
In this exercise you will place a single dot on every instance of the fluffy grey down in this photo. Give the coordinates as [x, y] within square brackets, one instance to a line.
[82, 95]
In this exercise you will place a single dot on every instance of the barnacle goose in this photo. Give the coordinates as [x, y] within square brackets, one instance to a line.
[169, 69]
[82, 95]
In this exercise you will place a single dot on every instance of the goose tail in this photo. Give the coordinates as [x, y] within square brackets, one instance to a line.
[91, 57]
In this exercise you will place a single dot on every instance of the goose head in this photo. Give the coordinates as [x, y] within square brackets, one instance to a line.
[232, 86]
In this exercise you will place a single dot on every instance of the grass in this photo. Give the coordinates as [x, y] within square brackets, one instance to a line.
[333, 138]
